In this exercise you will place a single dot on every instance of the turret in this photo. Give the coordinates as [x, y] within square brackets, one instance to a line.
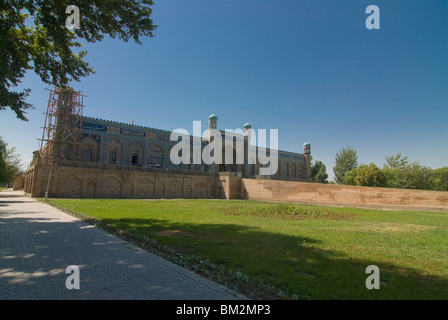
[307, 148]
[247, 131]
[212, 121]
[307, 156]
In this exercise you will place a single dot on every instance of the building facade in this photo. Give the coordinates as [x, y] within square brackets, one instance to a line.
[89, 157]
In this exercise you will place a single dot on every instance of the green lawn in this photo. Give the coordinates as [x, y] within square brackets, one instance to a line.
[309, 251]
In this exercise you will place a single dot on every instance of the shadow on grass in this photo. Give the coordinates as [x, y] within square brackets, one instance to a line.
[290, 263]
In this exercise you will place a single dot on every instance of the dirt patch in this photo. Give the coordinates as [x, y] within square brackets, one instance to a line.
[284, 211]
[399, 227]
[443, 199]
[387, 227]
[172, 233]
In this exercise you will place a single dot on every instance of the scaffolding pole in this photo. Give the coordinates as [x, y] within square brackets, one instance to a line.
[62, 129]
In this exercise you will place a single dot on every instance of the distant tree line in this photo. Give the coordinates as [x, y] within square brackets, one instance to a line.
[10, 164]
[397, 172]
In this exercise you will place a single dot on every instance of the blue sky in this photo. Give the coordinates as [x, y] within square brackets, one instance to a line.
[310, 69]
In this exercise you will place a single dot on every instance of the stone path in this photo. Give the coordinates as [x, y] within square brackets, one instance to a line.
[38, 243]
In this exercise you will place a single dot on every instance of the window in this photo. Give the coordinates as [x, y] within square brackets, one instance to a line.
[156, 157]
[285, 171]
[88, 149]
[87, 154]
[113, 156]
[134, 158]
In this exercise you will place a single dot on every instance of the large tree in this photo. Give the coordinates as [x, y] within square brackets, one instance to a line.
[319, 172]
[345, 161]
[34, 36]
[414, 176]
[2, 160]
[10, 163]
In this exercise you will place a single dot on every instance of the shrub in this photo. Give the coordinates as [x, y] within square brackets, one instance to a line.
[366, 175]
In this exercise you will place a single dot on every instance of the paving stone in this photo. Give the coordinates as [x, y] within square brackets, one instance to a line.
[38, 243]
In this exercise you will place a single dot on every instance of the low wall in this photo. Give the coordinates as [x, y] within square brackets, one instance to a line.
[81, 182]
[77, 182]
[316, 193]
[19, 183]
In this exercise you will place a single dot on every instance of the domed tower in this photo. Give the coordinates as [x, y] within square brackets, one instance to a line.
[247, 131]
[212, 125]
[249, 152]
[307, 148]
[213, 121]
[307, 158]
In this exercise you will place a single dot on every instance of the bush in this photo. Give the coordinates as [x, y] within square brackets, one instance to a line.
[319, 172]
[440, 179]
[390, 176]
[414, 176]
[366, 175]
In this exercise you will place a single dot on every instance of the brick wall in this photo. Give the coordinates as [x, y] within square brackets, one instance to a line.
[80, 182]
[316, 193]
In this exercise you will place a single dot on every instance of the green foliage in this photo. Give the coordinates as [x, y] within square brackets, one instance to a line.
[10, 164]
[366, 175]
[346, 160]
[319, 172]
[399, 173]
[2, 160]
[33, 36]
[397, 161]
[440, 179]
[351, 176]
[414, 176]
[390, 174]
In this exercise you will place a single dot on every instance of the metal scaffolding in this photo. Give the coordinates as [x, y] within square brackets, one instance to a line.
[61, 131]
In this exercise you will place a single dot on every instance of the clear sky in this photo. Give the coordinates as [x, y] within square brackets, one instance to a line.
[310, 69]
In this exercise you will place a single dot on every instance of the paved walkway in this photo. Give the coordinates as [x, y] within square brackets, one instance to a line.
[38, 242]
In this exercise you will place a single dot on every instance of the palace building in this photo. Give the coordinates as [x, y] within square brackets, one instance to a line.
[88, 157]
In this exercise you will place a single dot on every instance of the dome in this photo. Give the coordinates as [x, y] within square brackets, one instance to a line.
[247, 126]
[213, 117]
[307, 144]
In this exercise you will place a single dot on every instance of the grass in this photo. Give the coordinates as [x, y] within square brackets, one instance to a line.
[298, 251]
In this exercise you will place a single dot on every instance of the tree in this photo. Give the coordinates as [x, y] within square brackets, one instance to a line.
[2, 160]
[351, 176]
[319, 172]
[366, 175]
[397, 161]
[34, 36]
[11, 162]
[440, 178]
[414, 176]
[390, 174]
[346, 160]
[400, 173]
